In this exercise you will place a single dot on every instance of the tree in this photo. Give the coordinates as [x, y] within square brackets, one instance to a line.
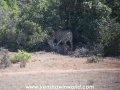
[115, 6]
[25, 24]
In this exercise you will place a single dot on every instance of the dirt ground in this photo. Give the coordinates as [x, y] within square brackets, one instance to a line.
[50, 69]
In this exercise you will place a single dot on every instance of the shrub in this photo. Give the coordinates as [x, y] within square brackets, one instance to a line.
[96, 49]
[20, 56]
[109, 37]
[94, 59]
[81, 52]
[4, 58]
[89, 50]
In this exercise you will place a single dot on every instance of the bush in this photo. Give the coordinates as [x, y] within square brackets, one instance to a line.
[20, 56]
[109, 37]
[81, 52]
[89, 50]
[4, 58]
[94, 59]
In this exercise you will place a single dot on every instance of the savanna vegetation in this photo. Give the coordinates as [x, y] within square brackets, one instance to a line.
[26, 24]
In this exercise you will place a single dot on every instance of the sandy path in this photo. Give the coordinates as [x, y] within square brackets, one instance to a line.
[59, 71]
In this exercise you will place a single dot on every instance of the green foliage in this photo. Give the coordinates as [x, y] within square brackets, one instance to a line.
[30, 35]
[4, 4]
[109, 37]
[26, 24]
[20, 55]
[42, 12]
[14, 9]
[90, 20]
[115, 6]
[20, 33]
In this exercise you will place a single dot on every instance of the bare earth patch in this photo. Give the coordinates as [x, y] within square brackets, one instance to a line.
[45, 69]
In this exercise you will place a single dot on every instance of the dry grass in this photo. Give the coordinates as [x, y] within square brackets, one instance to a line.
[54, 69]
